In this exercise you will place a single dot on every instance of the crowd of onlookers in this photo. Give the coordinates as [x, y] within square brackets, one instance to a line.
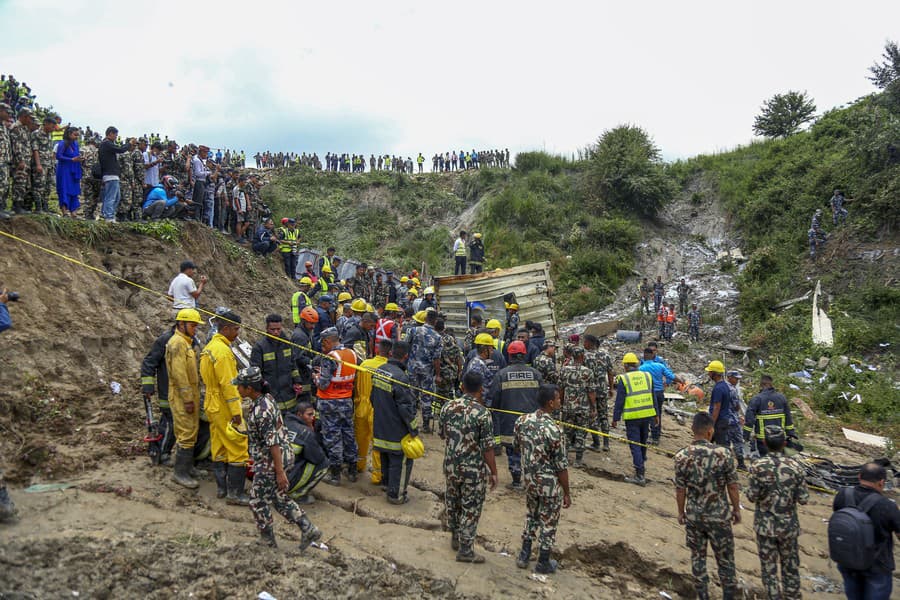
[358, 163]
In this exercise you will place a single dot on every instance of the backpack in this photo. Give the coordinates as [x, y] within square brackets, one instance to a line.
[851, 533]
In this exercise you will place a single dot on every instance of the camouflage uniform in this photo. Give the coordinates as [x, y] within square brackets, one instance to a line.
[5, 158]
[600, 363]
[704, 471]
[540, 442]
[41, 182]
[21, 146]
[424, 348]
[478, 365]
[380, 295]
[451, 357]
[359, 288]
[546, 366]
[469, 340]
[265, 428]
[126, 185]
[468, 435]
[777, 485]
[137, 191]
[645, 291]
[90, 187]
[577, 381]
[694, 325]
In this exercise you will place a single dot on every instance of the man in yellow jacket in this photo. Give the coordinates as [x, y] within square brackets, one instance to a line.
[218, 368]
[184, 393]
[363, 414]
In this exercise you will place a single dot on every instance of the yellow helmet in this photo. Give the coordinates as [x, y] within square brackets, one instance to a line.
[369, 307]
[416, 281]
[413, 447]
[326, 269]
[630, 359]
[234, 434]
[404, 279]
[391, 307]
[189, 315]
[359, 305]
[484, 339]
[715, 366]
[344, 297]
[429, 290]
[413, 292]
[419, 317]
[513, 306]
[477, 236]
[305, 281]
[493, 324]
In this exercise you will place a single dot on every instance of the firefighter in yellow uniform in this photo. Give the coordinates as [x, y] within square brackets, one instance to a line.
[634, 405]
[184, 394]
[363, 413]
[223, 406]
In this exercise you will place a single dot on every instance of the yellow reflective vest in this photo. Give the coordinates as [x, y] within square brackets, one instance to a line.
[296, 307]
[638, 395]
[288, 236]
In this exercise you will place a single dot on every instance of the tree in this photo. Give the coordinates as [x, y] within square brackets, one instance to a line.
[626, 169]
[889, 70]
[783, 114]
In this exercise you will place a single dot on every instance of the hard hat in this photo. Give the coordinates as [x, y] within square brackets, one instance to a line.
[429, 290]
[578, 350]
[189, 315]
[404, 279]
[630, 359]
[247, 376]
[359, 305]
[326, 269]
[484, 339]
[326, 298]
[369, 308]
[413, 292]
[419, 317]
[735, 374]
[329, 333]
[477, 236]
[415, 274]
[517, 347]
[513, 306]
[309, 314]
[305, 281]
[715, 366]
[284, 221]
[413, 447]
[493, 324]
[344, 296]
[391, 307]
[234, 434]
[416, 281]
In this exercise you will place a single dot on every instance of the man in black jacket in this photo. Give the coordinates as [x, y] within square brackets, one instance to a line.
[310, 462]
[395, 410]
[278, 362]
[155, 378]
[110, 172]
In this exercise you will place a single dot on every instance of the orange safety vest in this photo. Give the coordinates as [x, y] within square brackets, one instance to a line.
[670, 316]
[341, 385]
[661, 315]
[384, 329]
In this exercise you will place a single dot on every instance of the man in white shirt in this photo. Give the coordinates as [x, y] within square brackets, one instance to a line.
[183, 291]
[152, 159]
[459, 254]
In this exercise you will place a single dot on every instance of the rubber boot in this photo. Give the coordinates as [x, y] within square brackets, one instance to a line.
[595, 443]
[467, 554]
[220, 471]
[516, 483]
[426, 425]
[267, 537]
[334, 476]
[741, 464]
[165, 460]
[181, 474]
[524, 555]
[305, 499]
[351, 472]
[310, 533]
[638, 478]
[545, 565]
[237, 475]
[454, 541]
[579, 460]
[605, 444]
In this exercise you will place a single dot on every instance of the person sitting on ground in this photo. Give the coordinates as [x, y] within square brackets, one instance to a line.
[162, 201]
[310, 462]
[264, 241]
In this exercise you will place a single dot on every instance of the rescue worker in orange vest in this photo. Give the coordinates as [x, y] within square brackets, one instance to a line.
[634, 404]
[661, 314]
[334, 383]
[670, 322]
[363, 414]
[388, 327]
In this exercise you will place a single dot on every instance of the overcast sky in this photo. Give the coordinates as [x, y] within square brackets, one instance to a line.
[403, 77]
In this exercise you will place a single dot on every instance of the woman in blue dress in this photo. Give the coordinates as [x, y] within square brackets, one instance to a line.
[68, 172]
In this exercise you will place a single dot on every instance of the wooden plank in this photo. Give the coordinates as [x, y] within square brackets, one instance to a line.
[821, 323]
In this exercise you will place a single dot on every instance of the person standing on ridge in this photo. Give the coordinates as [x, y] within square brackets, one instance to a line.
[459, 253]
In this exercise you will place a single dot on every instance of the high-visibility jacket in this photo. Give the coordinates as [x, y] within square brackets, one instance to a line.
[278, 362]
[638, 395]
[661, 315]
[670, 316]
[288, 236]
[154, 374]
[394, 407]
[767, 408]
[57, 134]
[385, 330]
[459, 247]
[299, 301]
[341, 384]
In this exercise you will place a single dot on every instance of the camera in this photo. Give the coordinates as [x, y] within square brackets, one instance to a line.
[12, 296]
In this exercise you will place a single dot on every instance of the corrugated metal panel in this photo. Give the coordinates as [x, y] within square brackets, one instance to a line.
[530, 283]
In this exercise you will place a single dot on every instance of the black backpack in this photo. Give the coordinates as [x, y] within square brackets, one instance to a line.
[851, 533]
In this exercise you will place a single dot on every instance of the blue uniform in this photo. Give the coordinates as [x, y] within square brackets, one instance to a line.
[661, 373]
[424, 348]
[721, 395]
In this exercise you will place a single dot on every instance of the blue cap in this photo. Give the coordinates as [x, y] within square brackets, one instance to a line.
[326, 298]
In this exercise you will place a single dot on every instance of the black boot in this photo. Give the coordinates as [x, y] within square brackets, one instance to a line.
[454, 541]
[310, 533]
[220, 471]
[351, 472]
[267, 536]
[605, 443]
[184, 460]
[426, 425]
[516, 482]
[579, 459]
[595, 443]
[237, 475]
[741, 465]
[334, 476]
[524, 555]
[638, 478]
[545, 565]
[467, 554]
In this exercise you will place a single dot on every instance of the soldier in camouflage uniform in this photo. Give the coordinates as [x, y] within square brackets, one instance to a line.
[5, 156]
[425, 364]
[545, 362]
[126, 185]
[694, 321]
[777, 486]
[705, 481]
[484, 346]
[468, 464]
[380, 292]
[600, 363]
[475, 322]
[90, 187]
[42, 170]
[138, 172]
[22, 155]
[272, 459]
[545, 468]
[579, 401]
[451, 366]
[359, 285]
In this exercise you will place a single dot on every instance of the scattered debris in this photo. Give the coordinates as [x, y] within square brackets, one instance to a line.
[40, 488]
[850, 399]
[734, 254]
[865, 438]
[538, 577]
[604, 328]
[823, 363]
[265, 596]
[792, 301]
[808, 413]
[116, 387]
[821, 324]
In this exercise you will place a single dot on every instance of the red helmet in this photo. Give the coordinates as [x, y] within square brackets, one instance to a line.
[517, 347]
[284, 221]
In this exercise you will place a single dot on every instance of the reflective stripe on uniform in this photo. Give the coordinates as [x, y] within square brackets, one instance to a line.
[386, 445]
[638, 395]
[288, 405]
[148, 380]
[268, 356]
